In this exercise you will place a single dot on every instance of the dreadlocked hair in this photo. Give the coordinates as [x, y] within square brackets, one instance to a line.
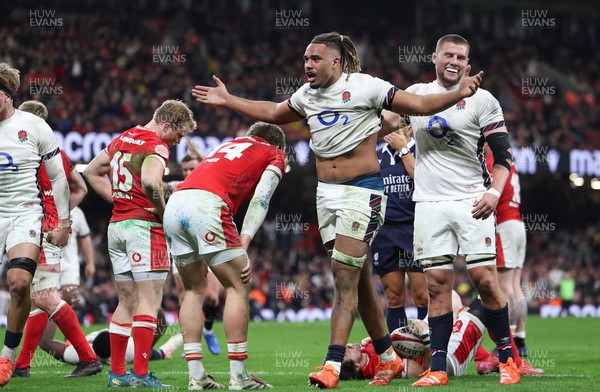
[350, 62]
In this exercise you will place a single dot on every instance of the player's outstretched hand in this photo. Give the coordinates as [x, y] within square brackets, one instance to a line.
[485, 206]
[216, 96]
[469, 84]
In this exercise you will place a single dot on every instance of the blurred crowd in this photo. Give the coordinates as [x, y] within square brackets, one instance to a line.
[109, 64]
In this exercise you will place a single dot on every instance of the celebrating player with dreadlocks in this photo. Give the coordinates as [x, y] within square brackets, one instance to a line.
[344, 110]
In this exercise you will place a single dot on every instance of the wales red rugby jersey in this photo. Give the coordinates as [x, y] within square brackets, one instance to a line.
[50, 221]
[233, 169]
[509, 205]
[127, 153]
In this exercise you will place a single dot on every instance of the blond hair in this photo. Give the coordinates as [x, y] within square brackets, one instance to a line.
[9, 79]
[35, 107]
[178, 114]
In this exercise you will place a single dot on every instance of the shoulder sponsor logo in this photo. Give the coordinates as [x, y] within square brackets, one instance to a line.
[210, 236]
[162, 151]
[131, 140]
[136, 257]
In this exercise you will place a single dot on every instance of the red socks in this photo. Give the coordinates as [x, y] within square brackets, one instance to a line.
[119, 337]
[515, 351]
[36, 323]
[142, 331]
[481, 353]
[66, 320]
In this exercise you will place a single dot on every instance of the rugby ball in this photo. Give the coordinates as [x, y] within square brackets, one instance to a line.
[407, 344]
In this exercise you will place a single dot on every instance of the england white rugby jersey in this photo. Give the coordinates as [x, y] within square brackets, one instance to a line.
[25, 141]
[79, 228]
[344, 114]
[450, 163]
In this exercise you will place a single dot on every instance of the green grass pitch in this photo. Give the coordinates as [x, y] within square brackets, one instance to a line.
[284, 354]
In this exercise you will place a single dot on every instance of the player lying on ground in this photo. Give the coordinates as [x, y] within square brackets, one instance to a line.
[411, 343]
[99, 341]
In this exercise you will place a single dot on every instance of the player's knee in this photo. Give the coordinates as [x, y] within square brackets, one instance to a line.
[434, 288]
[46, 299]
[421, 298]
[211, 299]
[19, 276]
[19, 291]
[486, 284]
[394, 298]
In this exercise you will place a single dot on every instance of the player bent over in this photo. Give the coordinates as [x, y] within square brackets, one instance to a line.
[201, 233]
[138, 251]
[213, 288]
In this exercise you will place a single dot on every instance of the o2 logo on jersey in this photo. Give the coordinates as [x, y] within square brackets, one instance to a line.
[438, 128]
[8, 164]
[329, 117]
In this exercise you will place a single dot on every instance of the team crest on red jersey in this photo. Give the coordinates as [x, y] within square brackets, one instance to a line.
[488, 241]
[346, 96]
[461, 104]
[22, 135]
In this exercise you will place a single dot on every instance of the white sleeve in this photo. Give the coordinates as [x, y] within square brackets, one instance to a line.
[381, 93]
[45, 140]
[80, 225]
[60, 185]
[413, 88]
[259, 205]
[490, 111]
[295, 102]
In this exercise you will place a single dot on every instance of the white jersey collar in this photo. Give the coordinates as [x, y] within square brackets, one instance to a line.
[341, 80]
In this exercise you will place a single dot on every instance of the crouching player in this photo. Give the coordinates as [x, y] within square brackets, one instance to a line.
[201, 233]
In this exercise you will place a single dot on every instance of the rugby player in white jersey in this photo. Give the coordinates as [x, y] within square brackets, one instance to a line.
[26, 141]
[455, 202]
[344, 112]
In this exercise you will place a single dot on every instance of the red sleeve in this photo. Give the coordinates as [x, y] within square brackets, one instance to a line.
[67, 164]
[371, 367]
[278, 163]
